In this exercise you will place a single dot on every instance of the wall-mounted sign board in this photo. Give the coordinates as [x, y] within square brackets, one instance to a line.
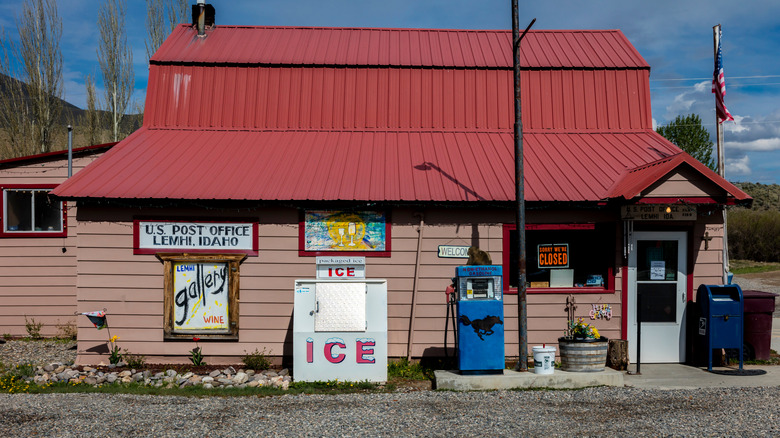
[341, 267]
[553, 255]
[154, 236]
[453, 252]
[658, 212]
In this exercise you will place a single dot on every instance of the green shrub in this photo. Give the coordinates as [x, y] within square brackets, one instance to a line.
[754, 235]
[33, 328]
[408, 370]
[134, 360]
[67, 330]
[22, 370]
[256, 360]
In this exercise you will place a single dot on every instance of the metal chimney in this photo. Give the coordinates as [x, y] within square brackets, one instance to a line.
[202, 17]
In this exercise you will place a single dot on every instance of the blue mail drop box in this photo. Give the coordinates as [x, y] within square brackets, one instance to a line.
[721, 320]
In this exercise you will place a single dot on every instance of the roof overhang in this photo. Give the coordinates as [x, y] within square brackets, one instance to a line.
[634, 184]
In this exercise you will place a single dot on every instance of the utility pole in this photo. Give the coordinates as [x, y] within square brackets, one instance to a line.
[522, 307]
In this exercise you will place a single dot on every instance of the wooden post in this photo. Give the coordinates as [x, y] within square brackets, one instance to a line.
[617, 355]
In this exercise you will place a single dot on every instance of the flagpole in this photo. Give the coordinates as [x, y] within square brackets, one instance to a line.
[721, 155]
[718, 124]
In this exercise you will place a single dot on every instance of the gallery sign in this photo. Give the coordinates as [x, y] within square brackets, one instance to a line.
[201, 297]
[151, 237]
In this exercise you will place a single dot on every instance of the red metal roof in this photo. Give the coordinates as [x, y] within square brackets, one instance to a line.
[634, 181]
[331, 98]
[398, 47]
[364, 114]
[360, 165]
[55, 154]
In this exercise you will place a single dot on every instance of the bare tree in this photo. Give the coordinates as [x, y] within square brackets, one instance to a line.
[92, 117]
[177, 12]
[157, 11]
[116, 61]
[14, 108]
[34, 106]
[155, 26]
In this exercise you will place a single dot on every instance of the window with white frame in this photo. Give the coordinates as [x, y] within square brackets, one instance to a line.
[31, 211]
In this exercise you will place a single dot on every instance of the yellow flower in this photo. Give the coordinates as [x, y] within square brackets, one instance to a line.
[114, 338]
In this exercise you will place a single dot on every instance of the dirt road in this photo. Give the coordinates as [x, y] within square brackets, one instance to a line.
[763, 281]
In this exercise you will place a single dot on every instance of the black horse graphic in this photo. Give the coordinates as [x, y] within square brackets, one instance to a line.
[482, 326]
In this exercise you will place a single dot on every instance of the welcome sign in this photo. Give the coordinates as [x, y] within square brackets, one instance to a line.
[151, 237]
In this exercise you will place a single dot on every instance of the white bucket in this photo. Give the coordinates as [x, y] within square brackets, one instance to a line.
[544, 360]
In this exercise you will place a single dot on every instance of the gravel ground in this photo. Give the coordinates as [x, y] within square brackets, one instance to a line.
[41, 352]
[764, 281]
[588, 412]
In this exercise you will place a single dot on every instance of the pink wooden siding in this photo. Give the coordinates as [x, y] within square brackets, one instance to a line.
[130, 286]
[708, 268]
[38, 274]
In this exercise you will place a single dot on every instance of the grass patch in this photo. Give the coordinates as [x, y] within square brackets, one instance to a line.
[332, 387]
[404, 369]
[11, 384]
[739, 267]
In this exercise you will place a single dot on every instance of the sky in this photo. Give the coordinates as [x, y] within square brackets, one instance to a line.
[674, 36]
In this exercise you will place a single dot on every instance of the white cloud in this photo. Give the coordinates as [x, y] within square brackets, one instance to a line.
[736, 125]
[738, 166]
[684, 101]
[702, 86]
[655, 124]
[762, 144]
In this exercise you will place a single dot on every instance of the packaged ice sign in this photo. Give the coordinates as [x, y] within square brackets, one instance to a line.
[200, 297]
[341, 267]
[555, 255]
[151, 237]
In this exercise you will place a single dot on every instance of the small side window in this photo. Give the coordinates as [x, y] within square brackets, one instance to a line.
[31, 212]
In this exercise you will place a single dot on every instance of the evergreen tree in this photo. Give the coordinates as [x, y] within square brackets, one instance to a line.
[689, 135]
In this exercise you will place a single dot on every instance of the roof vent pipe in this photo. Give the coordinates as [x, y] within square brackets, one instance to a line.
[202, 16]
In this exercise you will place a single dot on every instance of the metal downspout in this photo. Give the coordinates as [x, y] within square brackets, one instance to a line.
[410, 341]
[70, 151]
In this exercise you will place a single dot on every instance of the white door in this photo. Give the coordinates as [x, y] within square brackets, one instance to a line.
[657, 273]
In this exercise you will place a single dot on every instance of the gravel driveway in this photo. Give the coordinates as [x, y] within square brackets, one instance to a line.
[588, 412]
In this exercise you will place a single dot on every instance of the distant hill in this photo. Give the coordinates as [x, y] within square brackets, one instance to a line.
[765, 196]
[73, 115]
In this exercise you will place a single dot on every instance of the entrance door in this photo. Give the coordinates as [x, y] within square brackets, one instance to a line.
[657, 274]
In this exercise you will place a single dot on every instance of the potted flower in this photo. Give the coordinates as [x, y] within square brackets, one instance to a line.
[583, 349]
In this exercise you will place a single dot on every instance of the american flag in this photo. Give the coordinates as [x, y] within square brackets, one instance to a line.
[719, 87]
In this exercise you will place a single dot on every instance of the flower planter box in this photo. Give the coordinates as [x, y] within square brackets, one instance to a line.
[583, 355]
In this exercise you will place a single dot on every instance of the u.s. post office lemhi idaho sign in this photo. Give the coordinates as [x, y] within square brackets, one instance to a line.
[151, 237]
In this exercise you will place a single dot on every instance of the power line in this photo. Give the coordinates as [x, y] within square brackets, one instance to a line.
[730, 85]
[710, 78]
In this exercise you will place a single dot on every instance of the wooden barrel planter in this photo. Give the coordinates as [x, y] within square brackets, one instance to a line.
[583, 355]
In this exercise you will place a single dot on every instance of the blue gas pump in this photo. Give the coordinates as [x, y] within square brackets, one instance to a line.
[480, 319]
